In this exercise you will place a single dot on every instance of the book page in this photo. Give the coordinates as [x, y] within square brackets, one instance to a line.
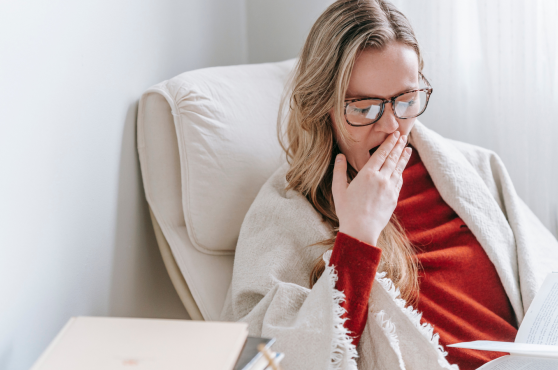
[521, 363]
[540, 325]
[525, 349]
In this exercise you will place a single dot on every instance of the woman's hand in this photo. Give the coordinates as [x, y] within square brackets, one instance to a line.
[365, 206]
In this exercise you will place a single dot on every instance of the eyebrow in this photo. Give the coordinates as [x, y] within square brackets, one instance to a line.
[360, 96]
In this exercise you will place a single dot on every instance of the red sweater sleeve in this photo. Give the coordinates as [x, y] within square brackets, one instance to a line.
[356, 263]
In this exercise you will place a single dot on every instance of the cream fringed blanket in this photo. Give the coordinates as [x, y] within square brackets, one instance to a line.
[273, 261]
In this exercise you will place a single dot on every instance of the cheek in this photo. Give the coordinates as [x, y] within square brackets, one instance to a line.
[359, 134]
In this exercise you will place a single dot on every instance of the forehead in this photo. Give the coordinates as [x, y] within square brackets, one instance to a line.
[384, 73]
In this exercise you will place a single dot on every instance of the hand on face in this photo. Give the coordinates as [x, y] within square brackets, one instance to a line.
[364, 207]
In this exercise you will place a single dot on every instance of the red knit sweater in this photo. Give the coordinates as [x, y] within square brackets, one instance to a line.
[461, 295]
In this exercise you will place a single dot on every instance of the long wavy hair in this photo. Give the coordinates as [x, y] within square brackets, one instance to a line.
[318, 85]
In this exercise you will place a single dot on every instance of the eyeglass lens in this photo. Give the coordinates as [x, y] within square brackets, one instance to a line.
[408, 105]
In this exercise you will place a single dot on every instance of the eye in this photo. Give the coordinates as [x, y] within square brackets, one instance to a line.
[407, 103]
[360, 110]
[364, 108]
[410, 104]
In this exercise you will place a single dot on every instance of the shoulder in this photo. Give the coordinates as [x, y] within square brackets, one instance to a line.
[485, 161]
[284, 208]
[474, 153]
[451, 153]
[488, 166]
[281, 224]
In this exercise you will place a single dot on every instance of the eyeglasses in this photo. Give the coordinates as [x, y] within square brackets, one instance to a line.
[409, 104]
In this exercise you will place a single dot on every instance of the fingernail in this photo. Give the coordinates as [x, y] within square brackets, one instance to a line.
[404, 138]
[338, 158]
[408, 150]
[396, 133]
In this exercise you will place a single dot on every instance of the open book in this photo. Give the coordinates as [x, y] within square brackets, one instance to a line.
[536, 343]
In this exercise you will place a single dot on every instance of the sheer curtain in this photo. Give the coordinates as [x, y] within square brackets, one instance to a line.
[494, 69]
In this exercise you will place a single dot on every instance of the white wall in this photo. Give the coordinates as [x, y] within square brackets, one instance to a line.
[75, 234]
[277, 29]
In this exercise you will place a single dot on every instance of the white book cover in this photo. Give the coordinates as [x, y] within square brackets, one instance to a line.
[104, 343]
[536, 343]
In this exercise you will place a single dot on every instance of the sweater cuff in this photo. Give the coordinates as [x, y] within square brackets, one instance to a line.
[349, 251]
[356, 263]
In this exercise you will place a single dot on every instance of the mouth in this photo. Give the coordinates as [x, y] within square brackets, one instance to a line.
[371, 151]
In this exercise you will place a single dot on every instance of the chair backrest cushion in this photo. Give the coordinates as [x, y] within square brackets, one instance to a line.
[225, 120]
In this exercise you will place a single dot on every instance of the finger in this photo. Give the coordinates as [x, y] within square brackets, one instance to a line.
[339, 182]
[399, 184]
[393, 158]
[379, 157]
[401, 164]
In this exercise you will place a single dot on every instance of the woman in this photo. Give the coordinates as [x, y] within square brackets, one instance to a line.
[362, 251]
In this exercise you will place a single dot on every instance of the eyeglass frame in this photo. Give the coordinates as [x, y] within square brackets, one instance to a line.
[428, 90]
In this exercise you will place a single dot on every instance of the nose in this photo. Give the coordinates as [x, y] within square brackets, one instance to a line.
[388, 122]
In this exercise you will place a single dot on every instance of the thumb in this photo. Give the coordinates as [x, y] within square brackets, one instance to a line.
[339, 182]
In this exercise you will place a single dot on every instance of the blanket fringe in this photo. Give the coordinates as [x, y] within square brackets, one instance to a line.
[343, 351]
[389, 330]
[425, 329]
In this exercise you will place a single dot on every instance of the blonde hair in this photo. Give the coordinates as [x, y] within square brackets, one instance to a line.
[319, 83]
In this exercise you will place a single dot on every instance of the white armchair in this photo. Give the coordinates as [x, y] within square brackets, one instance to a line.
[207, 142]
